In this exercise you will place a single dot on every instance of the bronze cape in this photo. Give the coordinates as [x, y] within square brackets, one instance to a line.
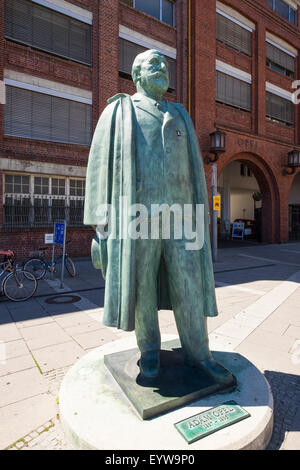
[111, 174]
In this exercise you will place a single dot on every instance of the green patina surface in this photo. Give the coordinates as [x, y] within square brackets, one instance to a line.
[145, 150]
[176, 385]
[201, 425]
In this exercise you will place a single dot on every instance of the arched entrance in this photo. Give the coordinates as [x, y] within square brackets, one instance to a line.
[248, 192]
[294, 209]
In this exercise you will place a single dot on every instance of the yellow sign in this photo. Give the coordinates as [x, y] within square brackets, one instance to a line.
[217, 203]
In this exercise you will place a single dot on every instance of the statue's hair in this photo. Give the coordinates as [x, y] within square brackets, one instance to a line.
[137, 63]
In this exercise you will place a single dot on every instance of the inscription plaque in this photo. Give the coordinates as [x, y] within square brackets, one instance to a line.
[201, 425]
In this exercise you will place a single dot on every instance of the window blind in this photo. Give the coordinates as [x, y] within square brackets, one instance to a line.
[280, 109]
[233, 92]
[44, 117]
[234, 35]
[46, 29]
[280, 58]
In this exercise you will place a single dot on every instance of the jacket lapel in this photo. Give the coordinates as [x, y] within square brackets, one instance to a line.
[171, 114]
[147, 106]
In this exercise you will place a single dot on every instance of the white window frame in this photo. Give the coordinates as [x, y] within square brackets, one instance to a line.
[47, 91]
[160, 11]
[231, 18]
[49, 197]
[233, 72]
[281, 48]
[67, 9]
[145, 41]
[276, 90]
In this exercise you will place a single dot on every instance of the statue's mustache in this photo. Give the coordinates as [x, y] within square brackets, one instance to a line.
[159, 75]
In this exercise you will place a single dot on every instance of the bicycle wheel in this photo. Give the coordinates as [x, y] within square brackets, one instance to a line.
[70, 266]
[19, 285]
[36, 266]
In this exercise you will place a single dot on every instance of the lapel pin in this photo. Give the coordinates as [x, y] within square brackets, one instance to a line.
[178, 133]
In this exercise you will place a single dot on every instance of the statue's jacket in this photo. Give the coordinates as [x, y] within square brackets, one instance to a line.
[111, 174]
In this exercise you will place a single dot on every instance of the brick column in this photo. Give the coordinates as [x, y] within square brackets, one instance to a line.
[259, 81]
[284, 211]
[204, 76]
[182, 51]
[106, 56]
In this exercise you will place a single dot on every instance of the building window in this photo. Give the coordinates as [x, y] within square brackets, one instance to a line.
[233, 92]
[245, 171]
[163, 10]
[281, 7]
[39, 116]
[33, 201]
[234, 35]
[279, 60]
[48, 30]
[77, 190]
[279, 109]
[128, 52]
[17, 184]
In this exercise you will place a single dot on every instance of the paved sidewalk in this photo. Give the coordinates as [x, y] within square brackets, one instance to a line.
[258, 295]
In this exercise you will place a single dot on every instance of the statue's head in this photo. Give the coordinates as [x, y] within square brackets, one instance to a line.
[150, 72]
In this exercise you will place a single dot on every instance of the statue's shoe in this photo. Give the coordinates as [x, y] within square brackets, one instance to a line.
[149, 364]
[215, 370]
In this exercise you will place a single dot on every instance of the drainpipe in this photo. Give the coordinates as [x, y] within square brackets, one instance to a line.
[190, 56]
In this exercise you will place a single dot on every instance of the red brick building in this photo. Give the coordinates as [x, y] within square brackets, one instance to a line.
[233, 65]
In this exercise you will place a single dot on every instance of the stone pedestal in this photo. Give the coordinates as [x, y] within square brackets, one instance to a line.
[96, 414]
[176, 385]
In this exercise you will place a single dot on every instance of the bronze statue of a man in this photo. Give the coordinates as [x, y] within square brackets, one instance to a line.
[145, 149]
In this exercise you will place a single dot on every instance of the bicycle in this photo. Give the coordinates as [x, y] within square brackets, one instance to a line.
[18, 284]
[40, 265]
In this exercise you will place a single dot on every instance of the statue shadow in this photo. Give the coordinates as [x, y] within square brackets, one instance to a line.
[286, 394]
[178, 380]
[182, 385]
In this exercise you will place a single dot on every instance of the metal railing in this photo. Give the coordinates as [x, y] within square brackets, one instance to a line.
[23, 211]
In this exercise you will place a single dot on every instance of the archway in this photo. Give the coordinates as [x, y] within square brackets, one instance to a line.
[249, 192]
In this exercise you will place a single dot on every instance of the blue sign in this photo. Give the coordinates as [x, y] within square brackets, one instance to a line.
[59, 232]
[238, 230]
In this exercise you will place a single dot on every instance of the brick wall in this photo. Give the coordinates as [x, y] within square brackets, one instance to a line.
[250, 137]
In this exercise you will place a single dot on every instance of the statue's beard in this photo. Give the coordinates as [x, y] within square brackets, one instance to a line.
[157, 83]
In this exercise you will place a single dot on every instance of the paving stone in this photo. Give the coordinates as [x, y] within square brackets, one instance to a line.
[58, 355]
[267, 349]
[21, 385]
[95, 338]
[72, 319]
[19, 445]
[36, 315]
[39, 320]
[286, 394]
[15, 348]
[84, 328]
[21, 418]
[279, 342]
[9, 332]
[293, 332]
[40, 336]
[17, 364]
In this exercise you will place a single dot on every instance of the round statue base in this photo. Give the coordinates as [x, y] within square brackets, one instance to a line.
[96, 414]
